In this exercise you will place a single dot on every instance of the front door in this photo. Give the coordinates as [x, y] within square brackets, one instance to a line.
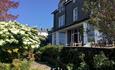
[75, 36]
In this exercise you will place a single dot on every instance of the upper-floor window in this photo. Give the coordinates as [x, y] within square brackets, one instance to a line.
[75, 14]
[68, 0]
[61, 6]
[61, 20]
[74, 1]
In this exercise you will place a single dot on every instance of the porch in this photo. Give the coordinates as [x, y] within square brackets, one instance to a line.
[95, 45]
[80, 35]
[75, 37]
[68, 36]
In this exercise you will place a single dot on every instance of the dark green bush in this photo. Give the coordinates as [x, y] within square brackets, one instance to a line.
[50, 54]
[51, 51]
[101, 62]
[78, 58]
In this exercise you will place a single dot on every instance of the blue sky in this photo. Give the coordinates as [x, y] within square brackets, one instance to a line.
[36, 12]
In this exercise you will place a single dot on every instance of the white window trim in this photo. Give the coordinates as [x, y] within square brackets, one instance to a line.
[61, 20]
[74, 1]
[75, 14]
[61, 7]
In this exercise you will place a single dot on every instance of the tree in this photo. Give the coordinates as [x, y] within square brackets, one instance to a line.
[102, 15]
[17, 39]
[5, 6]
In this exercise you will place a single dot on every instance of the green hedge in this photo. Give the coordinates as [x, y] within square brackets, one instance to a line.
[50, 54]
[78, 58]
[88, 58]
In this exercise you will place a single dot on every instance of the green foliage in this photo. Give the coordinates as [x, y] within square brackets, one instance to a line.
[17, 39]
[70, 66]
[15, 35]
[4, 66]
[83, 66]
[102, 15]
[78, 58]
[16, 65]
[101, 61]
[50, 53]
[25, 65]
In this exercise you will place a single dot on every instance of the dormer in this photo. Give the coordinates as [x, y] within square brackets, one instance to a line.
[61, 5]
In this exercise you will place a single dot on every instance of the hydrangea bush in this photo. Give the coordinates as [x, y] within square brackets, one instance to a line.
[15, 37]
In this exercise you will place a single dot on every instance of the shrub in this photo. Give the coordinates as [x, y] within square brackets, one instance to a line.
[16, 39]
[102, 62]
[83, 66]
[70, 66]
[25, 65]
[5, 66]
[78, 58]
[50, 54]
[51, 51]
[16, 65]
[88, 59]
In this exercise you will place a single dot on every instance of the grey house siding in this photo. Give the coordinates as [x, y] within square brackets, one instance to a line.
[81, 13]
[68, 12]
[56, 19]
[55, 26]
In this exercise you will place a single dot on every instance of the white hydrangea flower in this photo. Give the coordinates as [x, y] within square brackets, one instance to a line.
[28, 36]
[22, 32]
[1, 42]
[1, 32]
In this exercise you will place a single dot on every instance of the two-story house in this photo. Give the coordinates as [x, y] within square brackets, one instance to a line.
[70, 25]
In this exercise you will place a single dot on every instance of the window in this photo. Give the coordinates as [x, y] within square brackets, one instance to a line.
[54, 41]
[74, 1]
[61, 38]
[66, 0]
[90, 32]
[75, 14]
[61, 7]
[61, 21]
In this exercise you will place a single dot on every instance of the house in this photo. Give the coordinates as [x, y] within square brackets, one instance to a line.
[70, 26]
[43, 32]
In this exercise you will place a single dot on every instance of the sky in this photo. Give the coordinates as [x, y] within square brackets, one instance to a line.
[36, 13]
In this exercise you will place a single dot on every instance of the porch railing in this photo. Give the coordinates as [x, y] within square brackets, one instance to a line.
[103, 45]
[93, 45]
[74, 44]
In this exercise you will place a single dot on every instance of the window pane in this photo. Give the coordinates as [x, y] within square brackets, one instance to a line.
[61, 21]
[75, 14]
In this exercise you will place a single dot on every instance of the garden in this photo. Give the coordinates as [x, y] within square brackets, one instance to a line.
[20, 49]
[68, 58]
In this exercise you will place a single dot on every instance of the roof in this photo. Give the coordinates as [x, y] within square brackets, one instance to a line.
[55, 11]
